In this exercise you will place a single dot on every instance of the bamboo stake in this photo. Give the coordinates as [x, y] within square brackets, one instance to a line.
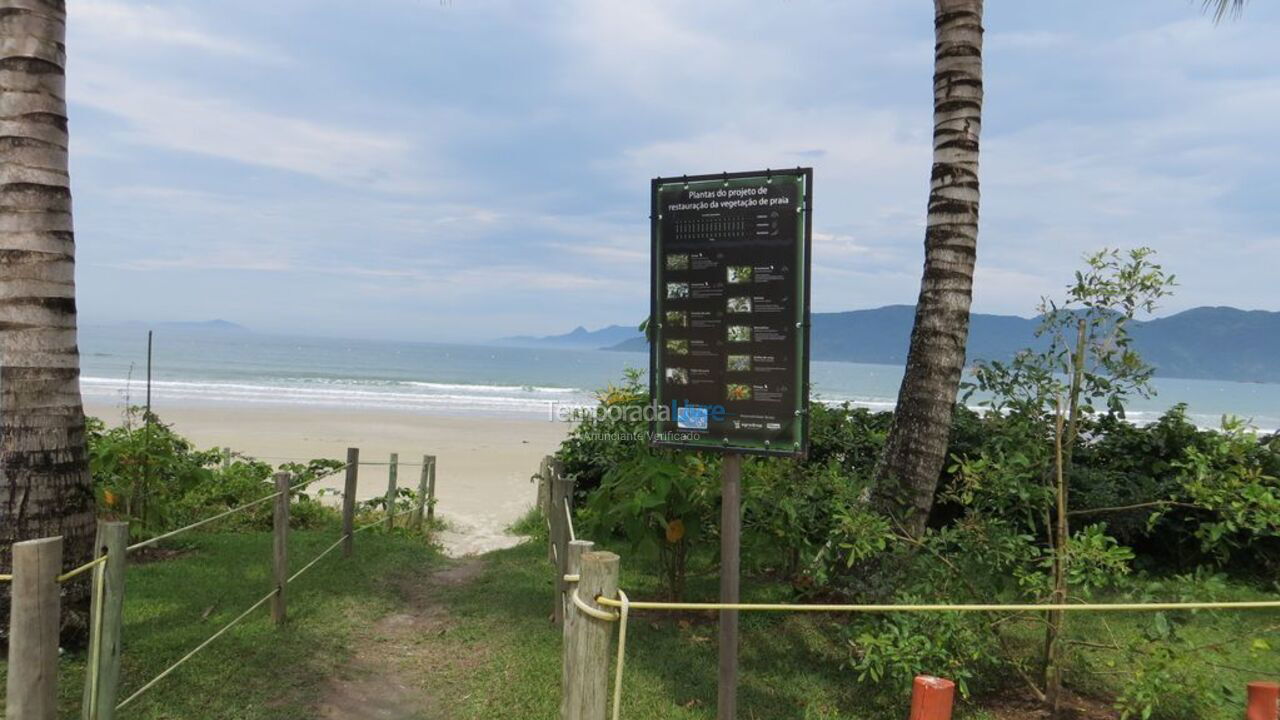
[280, 549]
[392, 470]
[349, 502]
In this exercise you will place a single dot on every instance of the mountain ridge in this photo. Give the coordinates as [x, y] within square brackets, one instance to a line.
[1208, 342]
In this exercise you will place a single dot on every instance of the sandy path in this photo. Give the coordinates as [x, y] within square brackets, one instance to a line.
[483, 464]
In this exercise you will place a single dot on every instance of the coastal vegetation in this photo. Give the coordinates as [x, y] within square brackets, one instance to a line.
[1048, 493]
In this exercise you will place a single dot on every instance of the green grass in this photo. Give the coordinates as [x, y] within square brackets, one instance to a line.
[491, 650]
[790, 664]
[255, 670]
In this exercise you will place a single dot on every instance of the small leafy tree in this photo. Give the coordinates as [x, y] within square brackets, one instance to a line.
[1087, 365]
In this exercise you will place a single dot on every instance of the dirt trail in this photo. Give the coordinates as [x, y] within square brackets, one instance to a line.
[383, 678]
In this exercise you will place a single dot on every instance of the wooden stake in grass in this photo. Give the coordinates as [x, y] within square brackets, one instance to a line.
[32, 686]
[280, 548]
[561, 488]
[586, 675]
[392, 470]
[421, 503]
[102, 681]
[431, 492]
[349, 502]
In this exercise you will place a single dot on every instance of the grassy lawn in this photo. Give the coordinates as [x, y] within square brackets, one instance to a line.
[256, 670]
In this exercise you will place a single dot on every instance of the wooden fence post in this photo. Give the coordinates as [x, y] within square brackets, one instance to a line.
[560, 539]
[431, 493]
[392, 470]
[31, 690]
[544, 503]
[1263, 701]
[572, 566]
[422, 493]
[280, 548]
[586, 674]
[544, 483]
[102, 688]
[349, 502]
[932, 698]
[226, 459]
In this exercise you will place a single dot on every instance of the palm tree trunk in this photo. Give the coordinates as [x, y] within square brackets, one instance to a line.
[44, 474]
[907, 475]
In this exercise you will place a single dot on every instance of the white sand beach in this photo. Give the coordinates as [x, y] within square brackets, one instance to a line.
[483, 464]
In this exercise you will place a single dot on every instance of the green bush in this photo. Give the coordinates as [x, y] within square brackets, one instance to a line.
[157, 480]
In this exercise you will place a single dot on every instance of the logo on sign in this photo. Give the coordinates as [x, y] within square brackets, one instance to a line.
[691, 418]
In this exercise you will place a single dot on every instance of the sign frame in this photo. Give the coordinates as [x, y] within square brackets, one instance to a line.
[797, 448]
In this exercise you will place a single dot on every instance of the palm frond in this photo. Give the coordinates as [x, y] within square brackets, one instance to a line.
[1222, 8]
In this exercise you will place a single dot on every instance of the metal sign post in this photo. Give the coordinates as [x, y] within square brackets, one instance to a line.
[729, 340]
[730, 577]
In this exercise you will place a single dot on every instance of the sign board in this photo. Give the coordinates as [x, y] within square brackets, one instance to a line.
[729, 311]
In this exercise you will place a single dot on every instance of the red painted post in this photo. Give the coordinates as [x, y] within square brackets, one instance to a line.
[932, 698]
[1264, 699]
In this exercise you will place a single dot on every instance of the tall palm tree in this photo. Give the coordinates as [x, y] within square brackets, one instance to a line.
[44, 473]
[907, 474]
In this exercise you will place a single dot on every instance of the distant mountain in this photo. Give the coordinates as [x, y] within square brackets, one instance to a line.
[1219, 343]
[189, 326]
[581, 337]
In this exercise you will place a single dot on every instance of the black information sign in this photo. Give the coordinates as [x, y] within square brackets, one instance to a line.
[729, 360]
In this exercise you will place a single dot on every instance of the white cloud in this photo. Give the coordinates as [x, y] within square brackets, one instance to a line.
[126, 26]
[164, 116]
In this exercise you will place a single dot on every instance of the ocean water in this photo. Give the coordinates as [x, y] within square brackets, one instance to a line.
[254, 369]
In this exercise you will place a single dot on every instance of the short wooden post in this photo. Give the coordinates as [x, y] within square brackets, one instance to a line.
[544, 484]
[34, 613]
[932, 698]
[226, 459]
[392, 469]
[560, 537]
[586, 675]
[431, 492]
[544, 504]
[102, 681]
[280, 548]
[572, 566]
[1263, 701]
[422, 493]
[349, 502]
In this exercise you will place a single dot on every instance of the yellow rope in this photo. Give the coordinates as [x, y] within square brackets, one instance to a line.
[95, 659]
[219, 516]
[1096, 607]
[625, 605]
[197, 649]
[315, 560]
[82, 569]
[6, 578]
[623, 609]
[198, 523]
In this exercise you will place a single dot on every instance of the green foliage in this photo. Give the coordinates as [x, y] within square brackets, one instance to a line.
[889, 652]
[601, 440]
[157, 480]
[662, 504]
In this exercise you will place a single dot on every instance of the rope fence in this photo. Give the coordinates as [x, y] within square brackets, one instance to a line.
[586, 620]
[33, 569]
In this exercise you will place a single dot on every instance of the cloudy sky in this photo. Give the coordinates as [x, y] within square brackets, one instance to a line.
[475, 168]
